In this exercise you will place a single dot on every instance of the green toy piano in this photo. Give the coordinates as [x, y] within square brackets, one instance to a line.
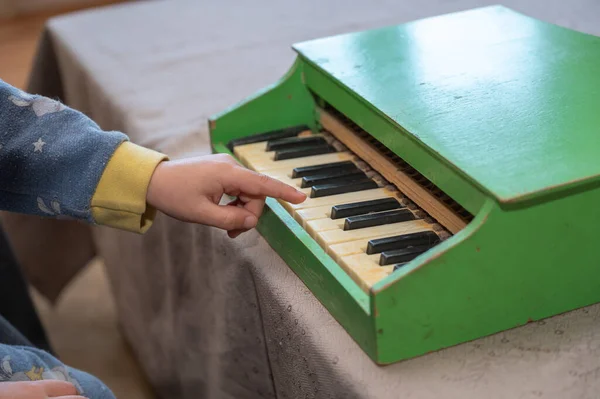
[452, 167]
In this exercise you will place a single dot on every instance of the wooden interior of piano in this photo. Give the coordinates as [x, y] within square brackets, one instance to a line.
[407, 179]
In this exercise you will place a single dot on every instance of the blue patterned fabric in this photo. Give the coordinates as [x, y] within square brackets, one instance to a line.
[51, 156]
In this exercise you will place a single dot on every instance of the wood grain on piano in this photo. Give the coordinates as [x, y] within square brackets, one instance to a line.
[373, 157]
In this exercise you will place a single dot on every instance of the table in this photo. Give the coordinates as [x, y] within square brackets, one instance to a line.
[218, 318]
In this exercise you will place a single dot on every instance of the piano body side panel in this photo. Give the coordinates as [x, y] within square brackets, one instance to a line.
[392, 136]
[507, 268]
[285, 103]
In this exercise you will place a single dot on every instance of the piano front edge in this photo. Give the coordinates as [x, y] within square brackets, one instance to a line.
[284, 104]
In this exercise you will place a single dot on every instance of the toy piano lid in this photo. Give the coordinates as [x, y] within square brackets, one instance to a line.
[511, 102]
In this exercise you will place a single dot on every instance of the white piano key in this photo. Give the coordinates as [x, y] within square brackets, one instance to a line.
[337, 251]
[365, 269]
[287, 180]
[264, 164]
[249, 150]
[343, 198]
[331, 237]
[245, 152]
[303, 216]
[315, 226]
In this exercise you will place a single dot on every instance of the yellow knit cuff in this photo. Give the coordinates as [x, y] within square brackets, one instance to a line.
[120, 198]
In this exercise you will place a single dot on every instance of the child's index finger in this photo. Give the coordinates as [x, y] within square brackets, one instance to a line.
[258, 184]
[292, 195]
[279, 190]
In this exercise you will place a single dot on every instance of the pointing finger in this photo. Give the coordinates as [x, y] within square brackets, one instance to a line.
[255, 184]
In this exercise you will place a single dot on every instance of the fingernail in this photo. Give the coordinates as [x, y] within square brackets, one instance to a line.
[304, 196]
[234, 234]
[249, 222]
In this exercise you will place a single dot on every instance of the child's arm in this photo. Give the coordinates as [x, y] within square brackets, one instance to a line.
[54, 161]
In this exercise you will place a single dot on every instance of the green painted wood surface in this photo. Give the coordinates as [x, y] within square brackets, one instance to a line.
[498, 110]
[504, 270]
[284, 103]
[510, 102]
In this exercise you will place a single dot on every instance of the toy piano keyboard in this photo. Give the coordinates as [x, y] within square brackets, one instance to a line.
[451, 166]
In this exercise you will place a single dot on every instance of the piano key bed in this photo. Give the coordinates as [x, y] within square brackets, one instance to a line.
[359, 218]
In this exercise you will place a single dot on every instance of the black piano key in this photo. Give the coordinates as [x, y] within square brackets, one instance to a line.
[323, 168]
[402, 255]
[378, 219]
[292, 142]
[399, 265]
[304, 151]
[334, 177]
[402, 241]
[364, 207]
[270, 135]
[341, 188]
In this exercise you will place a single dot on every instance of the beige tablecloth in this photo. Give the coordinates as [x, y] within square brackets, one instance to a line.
[218, 318]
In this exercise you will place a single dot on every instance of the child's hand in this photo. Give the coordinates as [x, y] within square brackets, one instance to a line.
[190, 190]
[43, 389]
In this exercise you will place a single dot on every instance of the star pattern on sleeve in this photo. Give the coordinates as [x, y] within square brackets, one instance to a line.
[38, 145]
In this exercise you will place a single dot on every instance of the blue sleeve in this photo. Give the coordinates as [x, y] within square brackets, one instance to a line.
[19, 363]
[51, 156]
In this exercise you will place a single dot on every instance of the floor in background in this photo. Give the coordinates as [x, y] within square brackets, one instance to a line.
[83, 325]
